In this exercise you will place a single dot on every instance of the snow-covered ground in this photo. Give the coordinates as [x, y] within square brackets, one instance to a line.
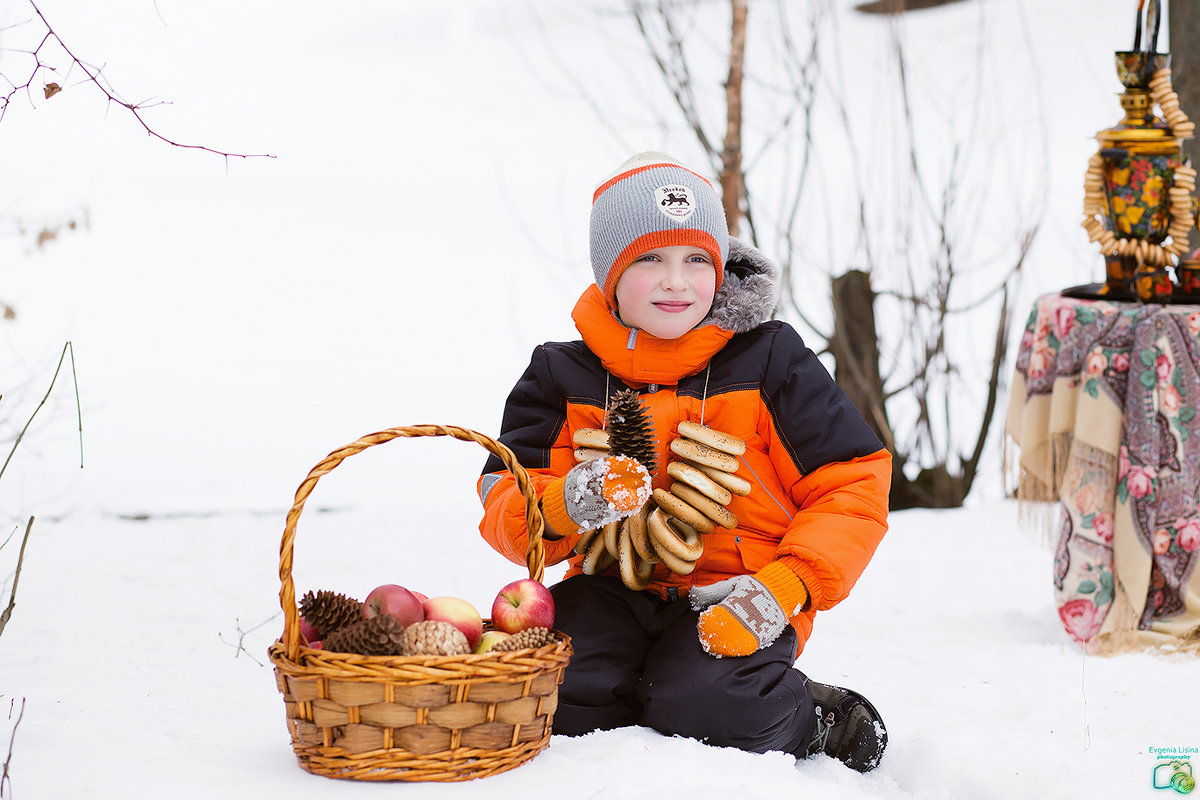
[422, 227]
[124, 650]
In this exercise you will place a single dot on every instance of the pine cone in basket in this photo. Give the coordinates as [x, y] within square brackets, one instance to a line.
[433, 638]
[630, 431]
[377, 636]
[530, 637]
[329, 611]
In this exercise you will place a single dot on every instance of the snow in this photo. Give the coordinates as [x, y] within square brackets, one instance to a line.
[123, 646]
[421, 229]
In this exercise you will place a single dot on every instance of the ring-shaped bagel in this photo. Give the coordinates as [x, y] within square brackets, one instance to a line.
[635, 573]
[640, 537]
[703, 454]
[718, 513]
[681, 510]
[597, 558]
[583, 454]
[686, 473]
[683, 543]
[592, 438]
[734, 483]
[712, 438]
[611, 533]
[585, 540]
[658, 523]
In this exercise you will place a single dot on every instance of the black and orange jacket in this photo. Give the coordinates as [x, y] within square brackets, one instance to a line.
[820, 476]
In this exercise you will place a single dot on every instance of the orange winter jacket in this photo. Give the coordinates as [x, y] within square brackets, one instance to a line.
[820, 476]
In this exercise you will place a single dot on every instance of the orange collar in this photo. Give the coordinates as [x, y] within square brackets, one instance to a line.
[634, 355]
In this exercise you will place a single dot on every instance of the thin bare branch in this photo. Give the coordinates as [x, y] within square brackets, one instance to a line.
[580, 87]
[999, 357]
[6, 774]
[46, 397]
[95, 76]
[903, 83]
[239, 646]
[732, 178]
[12, 599]
[678, 79]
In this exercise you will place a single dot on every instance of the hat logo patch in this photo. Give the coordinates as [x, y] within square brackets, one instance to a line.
[676, 201]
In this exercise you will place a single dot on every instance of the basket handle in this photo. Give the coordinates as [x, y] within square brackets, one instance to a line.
[534, 555]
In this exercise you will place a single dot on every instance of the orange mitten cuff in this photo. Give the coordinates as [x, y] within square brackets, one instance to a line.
[785, 586]
[554, 509]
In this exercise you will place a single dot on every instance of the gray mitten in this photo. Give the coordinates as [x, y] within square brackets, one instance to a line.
[596, 493]
[742, 614]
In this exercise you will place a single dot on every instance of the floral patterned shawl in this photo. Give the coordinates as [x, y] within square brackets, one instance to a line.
[1103, 412]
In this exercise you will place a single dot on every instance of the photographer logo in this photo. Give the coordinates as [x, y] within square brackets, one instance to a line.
[1173, 768]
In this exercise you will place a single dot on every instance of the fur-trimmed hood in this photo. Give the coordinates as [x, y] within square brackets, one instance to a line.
[749, 290]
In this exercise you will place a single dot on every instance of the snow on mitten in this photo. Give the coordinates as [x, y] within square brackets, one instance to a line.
[596, 493]
[748, 612]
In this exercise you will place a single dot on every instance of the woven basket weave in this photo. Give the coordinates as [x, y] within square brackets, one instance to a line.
[415, 718]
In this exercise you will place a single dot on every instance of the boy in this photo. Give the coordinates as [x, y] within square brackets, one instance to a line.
[680, 312]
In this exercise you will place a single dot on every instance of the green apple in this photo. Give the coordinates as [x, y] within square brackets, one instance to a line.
[490, 639]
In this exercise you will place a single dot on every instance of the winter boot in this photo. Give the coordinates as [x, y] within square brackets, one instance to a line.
[848, 728]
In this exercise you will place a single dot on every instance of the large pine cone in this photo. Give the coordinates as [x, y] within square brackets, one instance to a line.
[329, 611]
[630, 431]
[530, 637]
[377, 636]
[433, 638]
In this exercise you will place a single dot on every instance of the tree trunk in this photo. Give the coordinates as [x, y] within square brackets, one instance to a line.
[934, 487]
[731, 152]
[1184, 21]
[855, 349]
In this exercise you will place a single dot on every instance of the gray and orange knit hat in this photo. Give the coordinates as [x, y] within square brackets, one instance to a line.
[653, 201]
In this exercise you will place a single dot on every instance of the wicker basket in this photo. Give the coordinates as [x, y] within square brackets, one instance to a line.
[415, 718]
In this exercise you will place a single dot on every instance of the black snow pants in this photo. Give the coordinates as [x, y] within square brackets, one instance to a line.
[638, 661]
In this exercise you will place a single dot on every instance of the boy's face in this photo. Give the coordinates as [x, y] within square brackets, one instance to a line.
[667, 291]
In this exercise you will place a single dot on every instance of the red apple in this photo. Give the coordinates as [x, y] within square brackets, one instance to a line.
[523, 604]
[395, 601]
[420, 596]
[308, 632]
[459, 613]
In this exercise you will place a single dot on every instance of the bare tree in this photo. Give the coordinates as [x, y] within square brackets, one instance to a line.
[901, 309]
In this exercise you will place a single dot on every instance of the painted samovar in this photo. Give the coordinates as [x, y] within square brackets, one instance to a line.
[1138, 187]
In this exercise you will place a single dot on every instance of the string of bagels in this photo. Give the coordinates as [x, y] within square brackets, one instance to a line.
[669, 529]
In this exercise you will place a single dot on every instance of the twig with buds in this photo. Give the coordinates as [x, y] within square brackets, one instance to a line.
[95, 77]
